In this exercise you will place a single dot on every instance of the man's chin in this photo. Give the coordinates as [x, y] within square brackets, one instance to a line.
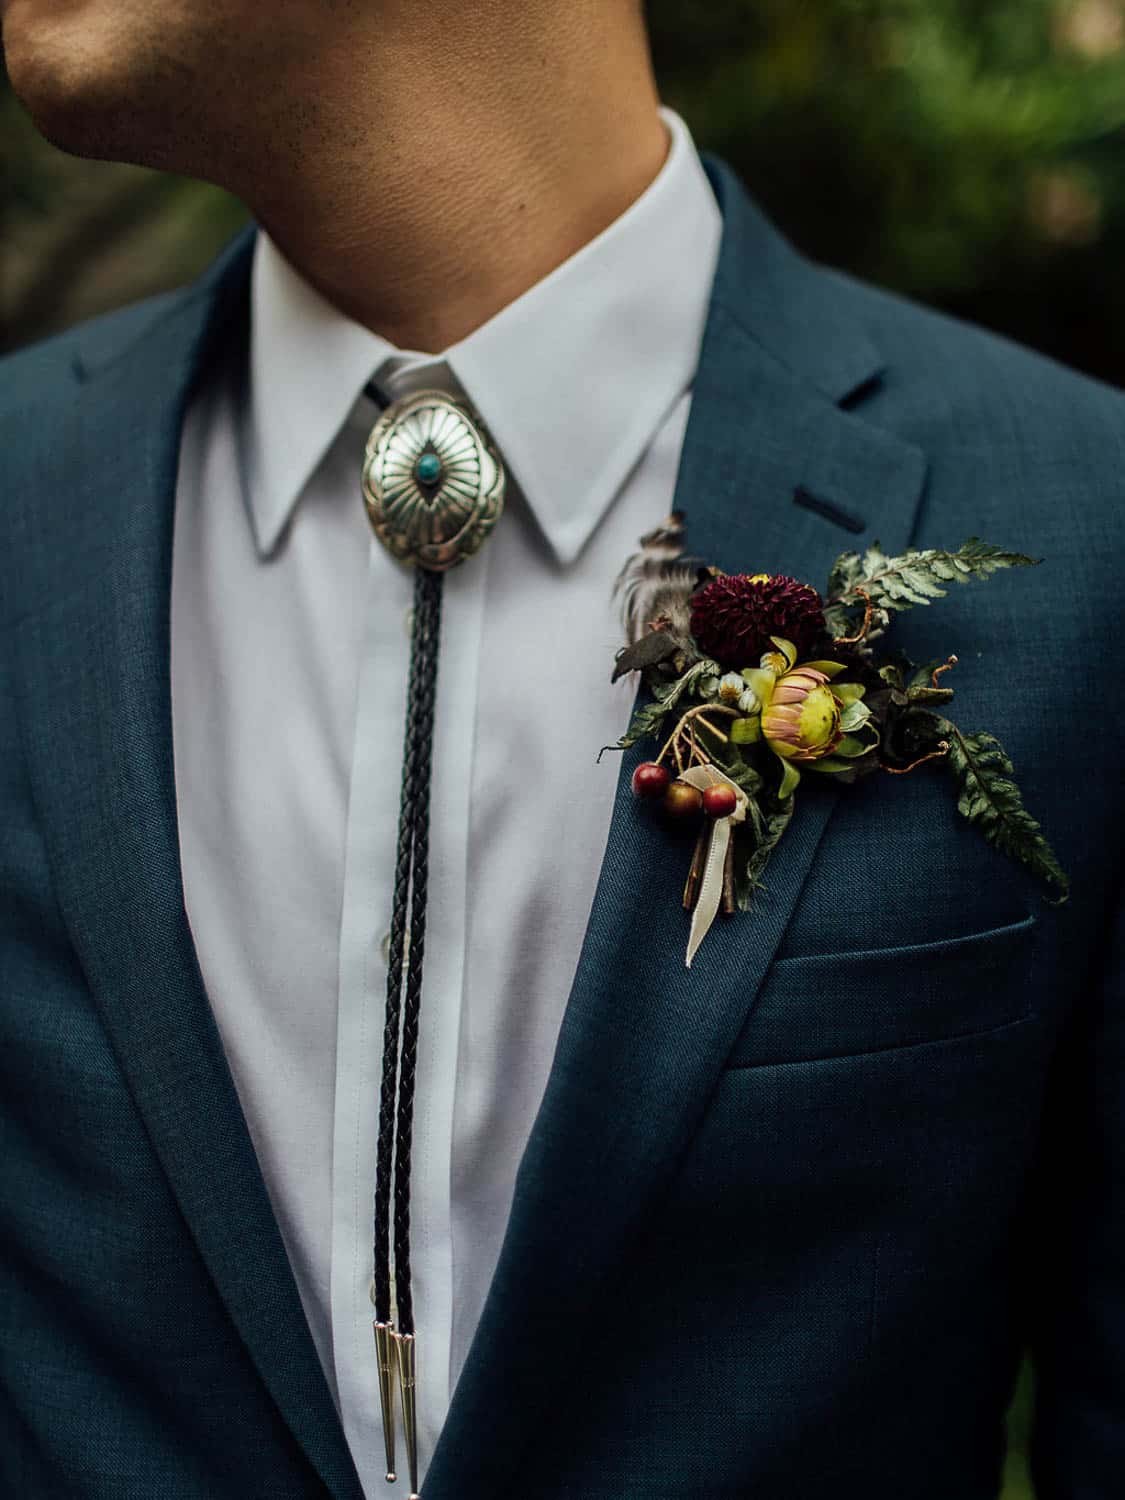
[71, 88]
[68, 120]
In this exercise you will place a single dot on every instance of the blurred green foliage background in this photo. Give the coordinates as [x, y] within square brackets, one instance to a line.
[970, 153]
[967, 152]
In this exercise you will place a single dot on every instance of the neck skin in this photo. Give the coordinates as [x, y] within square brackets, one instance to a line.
[443, 164]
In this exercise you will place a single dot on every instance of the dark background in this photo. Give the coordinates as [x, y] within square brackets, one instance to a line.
[970, 153]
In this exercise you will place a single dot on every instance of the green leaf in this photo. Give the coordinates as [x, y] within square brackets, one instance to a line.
[915, 577]
[922, 676]
[671, 694]
[645, 721]
[746, 731]
[989, 798]
[765, 831]
[743, 774]
[829, 668]
[920, 687]
[929, 694]
[761, 683]
[850, 746]
[837, 620]
[846, 572]
[790, 778]
[855, 716]
[649, 718]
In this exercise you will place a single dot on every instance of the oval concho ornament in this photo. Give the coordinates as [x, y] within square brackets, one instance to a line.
[433, 483]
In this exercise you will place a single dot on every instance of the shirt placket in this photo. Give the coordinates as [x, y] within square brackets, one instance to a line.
[367, 890]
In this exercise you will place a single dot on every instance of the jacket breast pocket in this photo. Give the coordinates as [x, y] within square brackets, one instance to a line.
[838, 1004]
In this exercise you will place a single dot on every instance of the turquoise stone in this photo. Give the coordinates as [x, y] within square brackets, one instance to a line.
[428, 468]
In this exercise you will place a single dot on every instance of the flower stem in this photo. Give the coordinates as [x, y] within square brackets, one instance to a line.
[939, 754]
[950, 661]
[683, 737]
[868, 610]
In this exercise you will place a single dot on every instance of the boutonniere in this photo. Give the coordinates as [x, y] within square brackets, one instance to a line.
[757, 684]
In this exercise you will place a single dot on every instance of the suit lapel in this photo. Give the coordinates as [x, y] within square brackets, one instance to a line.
[644, 1039]
[96, 706]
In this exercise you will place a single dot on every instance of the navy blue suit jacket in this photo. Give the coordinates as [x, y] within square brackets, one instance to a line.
[786, 1219]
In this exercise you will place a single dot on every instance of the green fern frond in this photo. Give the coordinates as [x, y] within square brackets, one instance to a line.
[990, 799]
[915, 577]
[649, 718]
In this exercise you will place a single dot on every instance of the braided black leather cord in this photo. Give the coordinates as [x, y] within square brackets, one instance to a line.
[427, 635]
[388, 1091]
[408, 920]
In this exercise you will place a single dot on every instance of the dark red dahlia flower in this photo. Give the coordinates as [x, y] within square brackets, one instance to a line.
[734, 616]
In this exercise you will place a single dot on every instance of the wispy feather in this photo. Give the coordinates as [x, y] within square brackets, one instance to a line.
[656, 583]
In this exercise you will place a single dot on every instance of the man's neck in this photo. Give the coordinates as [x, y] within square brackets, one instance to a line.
[426, 187]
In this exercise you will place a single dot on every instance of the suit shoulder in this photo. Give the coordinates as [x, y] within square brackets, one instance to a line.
[49, 372]
[987, 387]
[46, 372]
[84, 410]
[1018, 448]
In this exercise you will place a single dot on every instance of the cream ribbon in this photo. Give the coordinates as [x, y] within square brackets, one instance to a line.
[711, 887]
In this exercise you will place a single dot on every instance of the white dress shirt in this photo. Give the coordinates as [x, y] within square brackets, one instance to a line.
[290, 638]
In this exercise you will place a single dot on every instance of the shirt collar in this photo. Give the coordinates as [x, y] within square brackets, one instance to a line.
[573, 378]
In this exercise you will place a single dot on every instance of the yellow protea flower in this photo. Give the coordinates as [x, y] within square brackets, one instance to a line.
[805, 716]
[802, 719]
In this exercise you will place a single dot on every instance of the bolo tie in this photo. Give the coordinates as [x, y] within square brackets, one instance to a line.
[433, 489]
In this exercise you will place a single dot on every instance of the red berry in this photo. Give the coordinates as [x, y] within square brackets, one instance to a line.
[682, 800]
[719, 801]
[650, 780]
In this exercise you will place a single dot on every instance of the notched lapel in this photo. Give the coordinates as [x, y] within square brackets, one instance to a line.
[644, 1039]
[96, 711]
